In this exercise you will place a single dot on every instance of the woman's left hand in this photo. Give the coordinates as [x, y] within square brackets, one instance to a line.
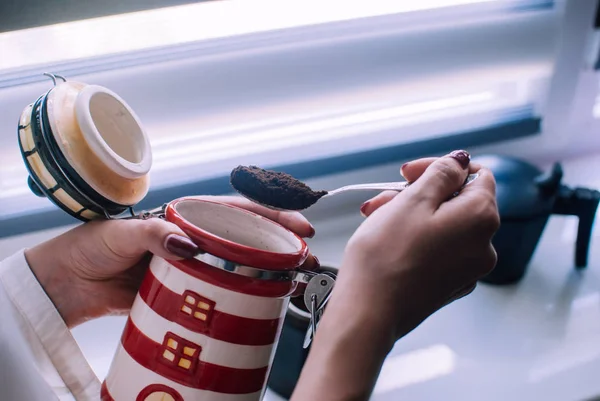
[96, 269]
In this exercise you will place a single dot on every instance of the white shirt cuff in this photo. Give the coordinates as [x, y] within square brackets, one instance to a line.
[57, 354]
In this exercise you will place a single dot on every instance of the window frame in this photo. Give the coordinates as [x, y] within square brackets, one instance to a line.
[195, 308]
[179, 353]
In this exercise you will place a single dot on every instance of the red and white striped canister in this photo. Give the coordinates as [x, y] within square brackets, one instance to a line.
[206, 329]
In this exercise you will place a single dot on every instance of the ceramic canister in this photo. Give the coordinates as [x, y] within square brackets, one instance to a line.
[207, 329]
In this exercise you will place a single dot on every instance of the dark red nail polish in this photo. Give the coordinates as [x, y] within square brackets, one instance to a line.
[363, 209]
[318, 264]
[312, 231]
[404, 166]
[181, 246]
[461, 156]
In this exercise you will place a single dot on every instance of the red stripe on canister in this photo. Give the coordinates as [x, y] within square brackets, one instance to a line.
[104, 394]
[235, 282]
[204, 376]
[222, 326]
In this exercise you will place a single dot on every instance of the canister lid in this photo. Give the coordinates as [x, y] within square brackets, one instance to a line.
[113, 132]
[85, 150]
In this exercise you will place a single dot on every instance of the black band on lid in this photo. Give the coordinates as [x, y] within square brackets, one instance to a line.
[59, 168]
[69, 172]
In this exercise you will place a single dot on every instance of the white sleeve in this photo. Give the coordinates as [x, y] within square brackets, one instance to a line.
[55, 352]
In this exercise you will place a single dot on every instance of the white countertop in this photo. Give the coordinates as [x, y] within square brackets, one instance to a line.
[537, 340]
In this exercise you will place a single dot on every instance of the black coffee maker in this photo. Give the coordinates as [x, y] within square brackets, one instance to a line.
[526, 199]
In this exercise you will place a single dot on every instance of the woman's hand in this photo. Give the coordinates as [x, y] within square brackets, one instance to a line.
[96, 269]
[425, 246]
[417, 251]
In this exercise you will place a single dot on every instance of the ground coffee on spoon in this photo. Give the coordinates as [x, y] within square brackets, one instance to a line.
[273, 188]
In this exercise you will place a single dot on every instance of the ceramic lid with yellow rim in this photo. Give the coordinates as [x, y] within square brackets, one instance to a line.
[85, 150]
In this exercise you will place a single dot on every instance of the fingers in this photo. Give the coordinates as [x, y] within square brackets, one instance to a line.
[133, 238]
[414, 169]
[469, 288]
[474, 167]
[463, 292]
[485, 182]
[411, 171]
[375, 203]
[441, 179]
[493, 259]
[311, 264]
[293, 221]
[476, 203]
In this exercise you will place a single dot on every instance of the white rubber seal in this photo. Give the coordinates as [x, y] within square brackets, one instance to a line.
[113, 132]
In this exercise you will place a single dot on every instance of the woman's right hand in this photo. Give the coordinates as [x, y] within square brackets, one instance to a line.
[417, 251]
[423, 247]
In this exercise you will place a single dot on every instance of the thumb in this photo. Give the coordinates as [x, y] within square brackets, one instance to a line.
[133, 238]
[411, 171]
[442, 178]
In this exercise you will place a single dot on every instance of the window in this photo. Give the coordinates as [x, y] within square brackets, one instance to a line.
[179, 353]
[217, 84]
[196, 308]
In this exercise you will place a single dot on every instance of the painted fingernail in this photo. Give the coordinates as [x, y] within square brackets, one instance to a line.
[461, 156]
[363, 209]
[318, 264]
[402, 170]
[312, 231]
[181, 246]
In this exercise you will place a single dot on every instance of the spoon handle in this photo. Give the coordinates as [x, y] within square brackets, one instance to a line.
[376, 186]
[384, 186]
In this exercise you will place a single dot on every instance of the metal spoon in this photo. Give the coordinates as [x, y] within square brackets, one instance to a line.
[378, 186]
